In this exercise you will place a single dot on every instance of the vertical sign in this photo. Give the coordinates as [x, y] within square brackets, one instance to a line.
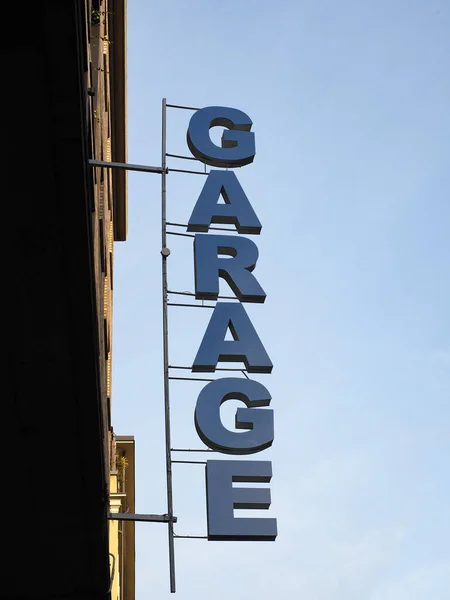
[232, 258]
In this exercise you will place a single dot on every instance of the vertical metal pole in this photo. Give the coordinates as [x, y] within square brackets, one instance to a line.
[164, 254]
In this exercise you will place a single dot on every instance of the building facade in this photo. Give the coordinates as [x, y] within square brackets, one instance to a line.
[105, 83]
[66, 469]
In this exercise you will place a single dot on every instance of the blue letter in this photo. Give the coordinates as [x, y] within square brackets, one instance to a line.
[238, 144]
[237, 271]
[222, 498]
[246, 346]
[260, 422]
[236, 211]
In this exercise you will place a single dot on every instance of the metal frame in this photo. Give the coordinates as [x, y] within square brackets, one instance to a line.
[140, 517]
[125, 166]
[165, 252]
[164, 170]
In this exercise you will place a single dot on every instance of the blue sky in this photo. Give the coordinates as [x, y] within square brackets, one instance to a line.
[350, 103]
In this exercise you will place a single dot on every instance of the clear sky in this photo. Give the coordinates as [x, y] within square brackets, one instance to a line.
[351, 108]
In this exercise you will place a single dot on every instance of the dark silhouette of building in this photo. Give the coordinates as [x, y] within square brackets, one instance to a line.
[65, 103]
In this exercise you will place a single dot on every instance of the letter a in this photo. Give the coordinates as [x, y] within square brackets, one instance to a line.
[245, 347]
[236, 211]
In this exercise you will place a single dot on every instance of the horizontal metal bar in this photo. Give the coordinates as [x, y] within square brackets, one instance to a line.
[135, 517]
[182, 157]
[213, 228]
[190, 305]
[192, 294]
[191, 379]
[182, 234]
[181, 293]
[191, 450]
[126, 166]
[182, 107]
[176, 224]
[186, 171]
[191, 462]
[217, 368]
[191, 537]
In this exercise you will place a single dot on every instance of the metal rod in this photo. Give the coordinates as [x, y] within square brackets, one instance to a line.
[191, 450]
[113, 571]
[182, 234]
[182, 107]
[126, 166]
[186, 171]
[190, 305]
[191, 462]
[181, 293]
[137, 517]
[192, 294]
[183, 157]
[192, 537]
[190, 379]
[217, 368]
[164, 255]
[213, 228]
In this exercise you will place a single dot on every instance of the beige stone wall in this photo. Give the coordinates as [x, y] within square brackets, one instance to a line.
[122, 533]
[100, 99]
[103, 122]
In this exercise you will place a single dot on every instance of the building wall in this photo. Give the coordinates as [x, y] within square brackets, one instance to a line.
[100, 122]
[55, 388]
[106, 92]
[122, 486]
